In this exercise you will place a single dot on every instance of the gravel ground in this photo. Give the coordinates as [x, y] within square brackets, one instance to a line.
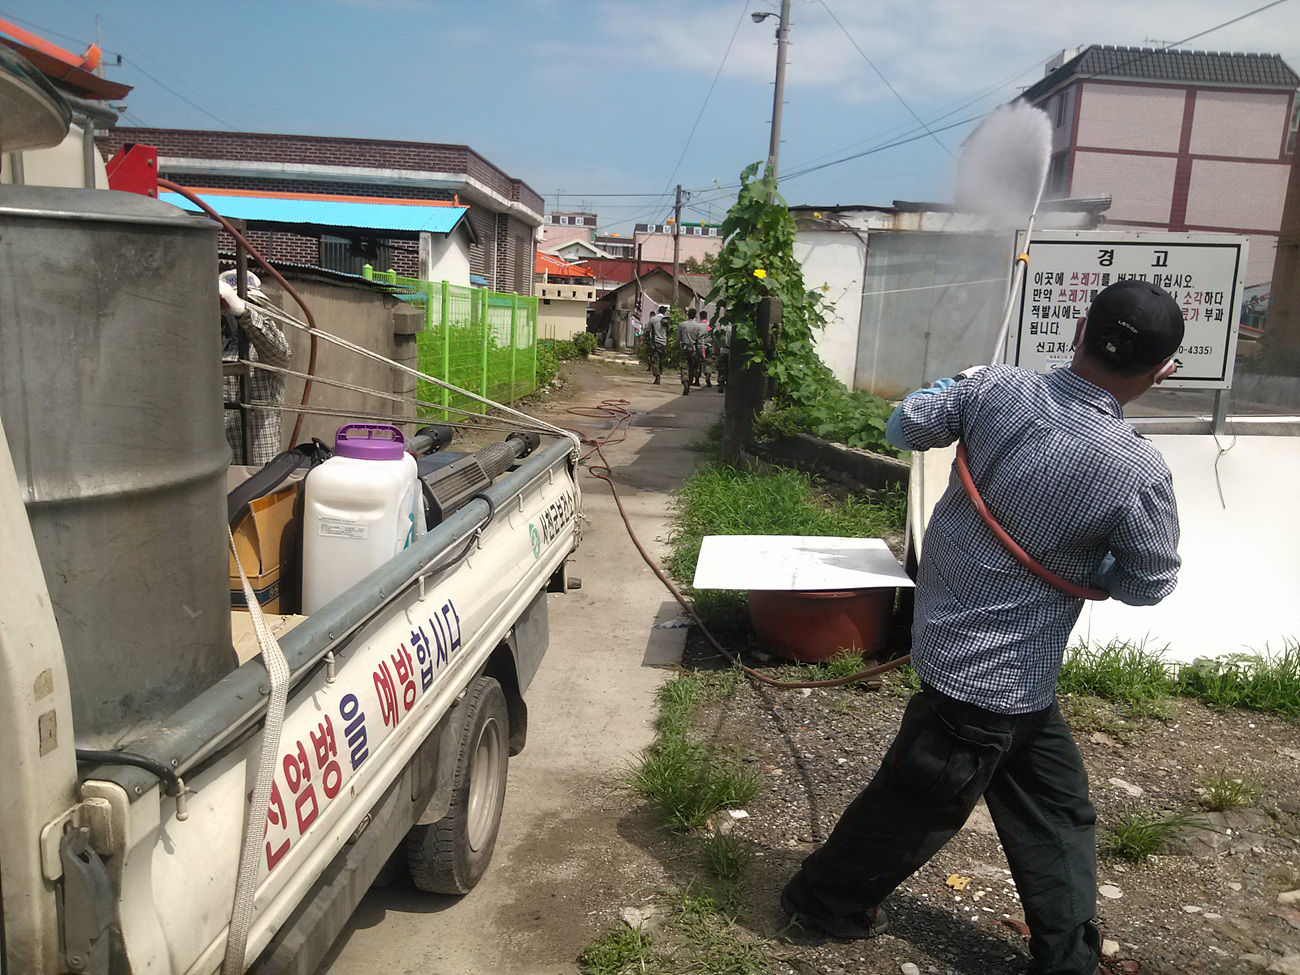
[1211, 905]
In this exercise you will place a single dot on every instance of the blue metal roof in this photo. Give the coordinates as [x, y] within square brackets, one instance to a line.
[407, 217]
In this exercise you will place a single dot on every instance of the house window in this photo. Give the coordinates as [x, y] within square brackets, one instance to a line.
[546, 301]
[1056, 174]
[1061, 101]
[564, 221]
[1295, 124]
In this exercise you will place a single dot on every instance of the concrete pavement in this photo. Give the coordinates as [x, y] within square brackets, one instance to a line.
[573, 845]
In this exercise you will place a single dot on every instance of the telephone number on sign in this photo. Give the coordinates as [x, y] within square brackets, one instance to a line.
[1195, 349]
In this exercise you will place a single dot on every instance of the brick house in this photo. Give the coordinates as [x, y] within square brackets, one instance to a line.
[1181, 140]
[503, 211]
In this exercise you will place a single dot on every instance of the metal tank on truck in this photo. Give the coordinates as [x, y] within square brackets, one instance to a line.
[111, 369]
[168, 808]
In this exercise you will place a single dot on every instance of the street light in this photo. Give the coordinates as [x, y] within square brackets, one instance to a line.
[778, 96]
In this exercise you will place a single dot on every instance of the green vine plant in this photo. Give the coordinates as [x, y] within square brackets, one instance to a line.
[756, 261]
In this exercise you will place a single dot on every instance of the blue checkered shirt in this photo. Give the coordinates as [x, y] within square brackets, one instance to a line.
[1070, 481]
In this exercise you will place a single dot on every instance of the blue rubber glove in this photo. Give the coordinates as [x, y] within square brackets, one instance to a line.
[894, 426]
[1105, 579]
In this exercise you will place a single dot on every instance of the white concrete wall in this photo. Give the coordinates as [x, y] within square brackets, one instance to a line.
[836, 260]
[1249, 124]
[448, 258]
[1134, 117]
[61, 165]
[560, 318]
[1141, 187]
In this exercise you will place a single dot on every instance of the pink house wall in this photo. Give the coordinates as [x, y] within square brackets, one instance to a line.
[1131, 117]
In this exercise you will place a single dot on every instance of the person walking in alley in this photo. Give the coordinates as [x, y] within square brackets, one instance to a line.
[720, 335]
[706, 350]
[690, 351]
[1074, 484]
[656, 341]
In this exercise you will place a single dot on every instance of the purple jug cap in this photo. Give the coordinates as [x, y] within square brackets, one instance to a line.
[369, 441]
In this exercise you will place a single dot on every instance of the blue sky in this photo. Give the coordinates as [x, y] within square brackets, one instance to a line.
[591, 97]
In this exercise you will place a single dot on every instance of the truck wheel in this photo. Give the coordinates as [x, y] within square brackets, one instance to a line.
[449, 856]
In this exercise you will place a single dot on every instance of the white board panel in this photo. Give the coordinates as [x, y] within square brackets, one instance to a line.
[1239, 586]
[796, 563]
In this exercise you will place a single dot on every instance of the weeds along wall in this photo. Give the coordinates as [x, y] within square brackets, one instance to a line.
[473, 338]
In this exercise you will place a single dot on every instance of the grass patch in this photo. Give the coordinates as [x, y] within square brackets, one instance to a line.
[1142, 680]
[1086, 714]
[1122, 672]
[842, 665]
[709, 939]
[1254, 681]
[620, 951]
[724, 501]
[726, 855]
[1222, 792]
[711, 445]
[683, 780]
[1136, 834]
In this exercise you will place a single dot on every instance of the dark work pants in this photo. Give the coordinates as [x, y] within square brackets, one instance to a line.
[655, 355]
[947, 754]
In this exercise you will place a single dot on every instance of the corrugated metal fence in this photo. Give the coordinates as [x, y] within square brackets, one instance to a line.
[473, 338]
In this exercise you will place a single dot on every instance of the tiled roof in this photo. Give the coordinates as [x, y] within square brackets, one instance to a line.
[1168, 65]
[550, 264]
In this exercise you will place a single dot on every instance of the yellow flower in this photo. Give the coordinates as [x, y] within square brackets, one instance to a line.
[759, 273]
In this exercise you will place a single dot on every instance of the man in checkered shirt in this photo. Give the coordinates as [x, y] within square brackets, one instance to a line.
[267, 344]
[1088, 498]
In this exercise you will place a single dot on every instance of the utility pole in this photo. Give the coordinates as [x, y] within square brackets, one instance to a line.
[677, 243]
[778, 96]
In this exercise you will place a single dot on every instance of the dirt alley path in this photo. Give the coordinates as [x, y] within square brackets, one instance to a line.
[572, 848]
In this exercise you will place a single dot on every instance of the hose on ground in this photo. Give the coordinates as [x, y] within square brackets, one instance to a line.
[616, 410]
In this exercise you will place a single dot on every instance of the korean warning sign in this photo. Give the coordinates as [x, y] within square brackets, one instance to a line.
[1067, 270]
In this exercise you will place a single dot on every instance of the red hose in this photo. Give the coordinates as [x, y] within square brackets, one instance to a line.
[311, 362]
[1023, 557]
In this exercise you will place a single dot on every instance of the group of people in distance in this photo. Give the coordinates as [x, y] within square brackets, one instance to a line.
[699, 346]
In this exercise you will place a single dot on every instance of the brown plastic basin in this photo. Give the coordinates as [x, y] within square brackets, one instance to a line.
[815, 626]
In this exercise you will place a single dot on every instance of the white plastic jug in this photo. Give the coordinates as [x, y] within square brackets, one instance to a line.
[358, 511]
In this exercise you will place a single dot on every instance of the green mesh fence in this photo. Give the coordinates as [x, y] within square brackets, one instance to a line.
[473, 338]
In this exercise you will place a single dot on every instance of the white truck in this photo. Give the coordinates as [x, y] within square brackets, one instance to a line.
[130, 735]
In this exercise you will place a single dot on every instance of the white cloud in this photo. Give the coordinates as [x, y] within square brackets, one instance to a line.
[928, 49]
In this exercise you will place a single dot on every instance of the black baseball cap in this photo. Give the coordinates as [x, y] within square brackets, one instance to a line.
[1133, 326]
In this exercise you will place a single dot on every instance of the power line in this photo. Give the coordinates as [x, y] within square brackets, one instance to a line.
[880, 148]
[125, 60]
[884, 79]
[953, 109]
[709, 94]
[161, 84]
[45, 30]
[162, 67]
[1137, 57]
[1143, 55]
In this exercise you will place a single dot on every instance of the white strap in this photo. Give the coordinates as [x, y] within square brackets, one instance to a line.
[277, 669]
